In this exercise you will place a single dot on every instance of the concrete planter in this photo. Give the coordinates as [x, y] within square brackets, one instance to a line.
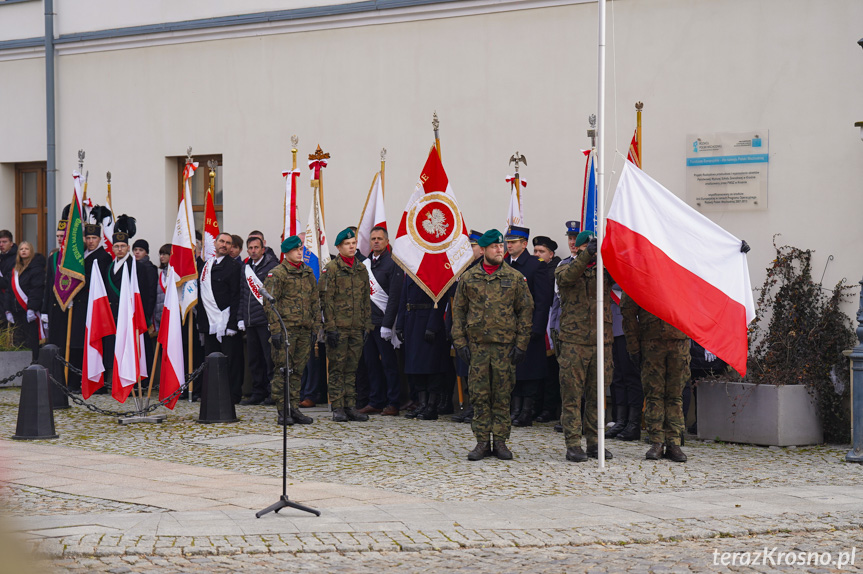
[758, 414]
[11, 362]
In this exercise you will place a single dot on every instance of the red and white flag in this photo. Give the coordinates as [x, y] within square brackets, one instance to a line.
[374, 215]
[211, 228]
[100, 324]
[139, 320]
[679, 265]
[183, 245]
[514, 216]
[432, 244]
[290, 215]
[126, 366]
[171, 339]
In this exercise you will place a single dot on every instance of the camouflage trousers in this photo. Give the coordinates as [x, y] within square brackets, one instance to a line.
[492, 377]
[343, 360]
[577, 380]
[300, 346]
[664, 372]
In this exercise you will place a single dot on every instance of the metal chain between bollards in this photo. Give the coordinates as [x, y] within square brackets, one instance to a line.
[189, 378]
[11, 378]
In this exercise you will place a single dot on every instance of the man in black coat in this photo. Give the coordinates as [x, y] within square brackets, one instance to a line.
[253, 320]
[529, 375]
[8, 252]
[379, 355]
[148, 283]
[53, 313]
[218, 308]
[548, 401]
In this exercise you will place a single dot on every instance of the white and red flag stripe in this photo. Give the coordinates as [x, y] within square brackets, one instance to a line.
[211, 228]
[171, 339]
[374, 215]
[679, 265]
[432, 244]
[100, 324]
[126, 367]
[291, 225]
[23, 301]
[139, 319]
[183, 240]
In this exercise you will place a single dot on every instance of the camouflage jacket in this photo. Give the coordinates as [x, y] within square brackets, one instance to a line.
[296, 294]
[576, 284]
[640, 325]
[346, 296]
[496, 308]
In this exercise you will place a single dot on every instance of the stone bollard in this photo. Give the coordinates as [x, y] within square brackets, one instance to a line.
[48, 359]
[216, 403]
[35, 415]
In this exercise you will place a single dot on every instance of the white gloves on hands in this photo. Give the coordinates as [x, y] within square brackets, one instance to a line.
[386, 333]
[31, 315]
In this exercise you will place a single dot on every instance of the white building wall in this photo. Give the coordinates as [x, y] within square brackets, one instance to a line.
[520, 80]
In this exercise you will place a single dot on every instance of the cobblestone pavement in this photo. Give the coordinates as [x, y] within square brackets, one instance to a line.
[683, 556]
[27, 500]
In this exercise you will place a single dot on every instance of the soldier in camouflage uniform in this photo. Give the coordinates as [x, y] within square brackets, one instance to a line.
[292, 283]
[346, 298]
[661, 351]
[576, 282]
[491, 316]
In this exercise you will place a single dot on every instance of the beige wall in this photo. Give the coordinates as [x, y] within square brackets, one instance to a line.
[522, 80]
[21, 20]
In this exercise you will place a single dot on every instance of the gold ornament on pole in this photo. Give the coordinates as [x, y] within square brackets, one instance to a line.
[436, 126]
[319, 156]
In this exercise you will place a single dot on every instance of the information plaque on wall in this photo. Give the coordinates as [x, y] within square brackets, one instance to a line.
[727, 171]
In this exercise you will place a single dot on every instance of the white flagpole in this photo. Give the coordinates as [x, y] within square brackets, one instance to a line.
[600, 232]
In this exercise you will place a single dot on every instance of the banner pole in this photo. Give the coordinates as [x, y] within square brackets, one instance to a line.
[68, 341]
[152, 371]
[600, 230]
[191, 356]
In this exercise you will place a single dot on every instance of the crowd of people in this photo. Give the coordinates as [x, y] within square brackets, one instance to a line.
[514, 339]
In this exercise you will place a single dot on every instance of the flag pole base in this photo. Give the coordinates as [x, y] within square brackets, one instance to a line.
[142, 419]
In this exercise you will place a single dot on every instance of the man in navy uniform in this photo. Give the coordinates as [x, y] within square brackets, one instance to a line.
[529, 375]
[549, 395]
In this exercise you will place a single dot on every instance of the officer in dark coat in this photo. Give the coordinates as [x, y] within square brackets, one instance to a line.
[548, 401]
[530, 374]
[420, 326]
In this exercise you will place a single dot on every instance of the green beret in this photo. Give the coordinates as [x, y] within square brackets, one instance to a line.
[291, 243]
[583, 237]
[346, 233]
[489, 237]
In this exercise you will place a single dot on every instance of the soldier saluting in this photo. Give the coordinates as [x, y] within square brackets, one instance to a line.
[492, 316]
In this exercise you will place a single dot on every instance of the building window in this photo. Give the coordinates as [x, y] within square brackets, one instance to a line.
[200, 183]
[31, 209]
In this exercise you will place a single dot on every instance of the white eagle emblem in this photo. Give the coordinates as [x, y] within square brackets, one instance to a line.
[435, 223]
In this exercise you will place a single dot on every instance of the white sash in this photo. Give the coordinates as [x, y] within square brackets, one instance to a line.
[23, 299]
[217, 318]
[379, 296]
[254, 284]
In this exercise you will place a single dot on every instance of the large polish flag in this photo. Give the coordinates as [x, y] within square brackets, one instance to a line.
[126, 366]
[139, 320]
[679, 265]
[211, 227]
[100, 323]
[171, 339]
[374, 215]
[183, 240]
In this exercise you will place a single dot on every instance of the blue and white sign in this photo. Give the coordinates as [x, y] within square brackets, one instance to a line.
[727, 171]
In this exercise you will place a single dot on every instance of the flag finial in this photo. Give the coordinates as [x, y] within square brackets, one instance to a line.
[639, 106]
[319, 154]
[383, 154]
[108, 175]
[591, 132]
[516, 159]
[189, 154]
[80, 160]
[294, 141]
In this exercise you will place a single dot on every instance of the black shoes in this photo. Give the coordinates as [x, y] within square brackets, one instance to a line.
[654, 452]
[429, 413]
[354, 415]
[558, 427]
[282, 421]
[575, 454]
[445, 406]
[632, 430]
[525, 416]
[674, 454]
[593, 452]
[500, 450]
[251, 401]
[339, 416]
[545, 416]
[480, 451]
[300, 418]
[619, 422]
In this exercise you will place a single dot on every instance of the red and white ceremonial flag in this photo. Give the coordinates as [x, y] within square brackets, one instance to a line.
[211, 228]
[432, 244]
[171, 339]
[100, 324]
[514, 216]
[291, 218]
[374, 215]
[125, 346]
[183, 246]
[634, 154]
[139, 320]
[679, 265]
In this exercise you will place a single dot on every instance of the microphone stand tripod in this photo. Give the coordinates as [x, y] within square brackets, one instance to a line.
[284, 501]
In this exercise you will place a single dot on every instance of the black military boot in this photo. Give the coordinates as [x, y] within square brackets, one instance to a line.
[654, 452]
[500, 449]
[444, 406]
[355, 415]
[422, 404]
[632, 431]
[282, 421]
[674, 454]
[339, 416]
[545, 416]
[558, 427]
[480, 451]
[593, 452]
[525, 417]
[300, 418]
[515, 407]
[620, 419]
[468, 415]
[575, 454]
[430, 412]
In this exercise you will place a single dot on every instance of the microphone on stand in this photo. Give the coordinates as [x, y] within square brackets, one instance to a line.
[266, 294]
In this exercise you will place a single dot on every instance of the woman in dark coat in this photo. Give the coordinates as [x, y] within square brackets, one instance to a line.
[28, 287]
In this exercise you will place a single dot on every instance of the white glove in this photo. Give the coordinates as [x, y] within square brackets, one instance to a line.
[44, 319]
[230, 332]
[10, 318]
[386, 333]
[708, 356]
[241, 325]
[31, 315]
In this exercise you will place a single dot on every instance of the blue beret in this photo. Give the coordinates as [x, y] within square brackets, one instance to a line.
[291, 243]
[515, 232]
[489, 237]
[346, 233]
[583, 237]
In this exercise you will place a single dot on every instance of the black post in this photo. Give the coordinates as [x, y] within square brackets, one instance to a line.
[48, 359]
[35, 416]
[216, 403]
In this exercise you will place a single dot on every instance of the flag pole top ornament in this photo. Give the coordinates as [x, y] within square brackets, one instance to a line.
[319, 154]
[189, 154]
[435, 123]
[294, 141]
[591, 132]
[108, 175]
[516, 159]
[639, 106]
[383, 154]
[80, 160]
[212, 164]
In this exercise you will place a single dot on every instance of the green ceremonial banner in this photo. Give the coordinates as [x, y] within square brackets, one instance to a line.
[72, 263]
